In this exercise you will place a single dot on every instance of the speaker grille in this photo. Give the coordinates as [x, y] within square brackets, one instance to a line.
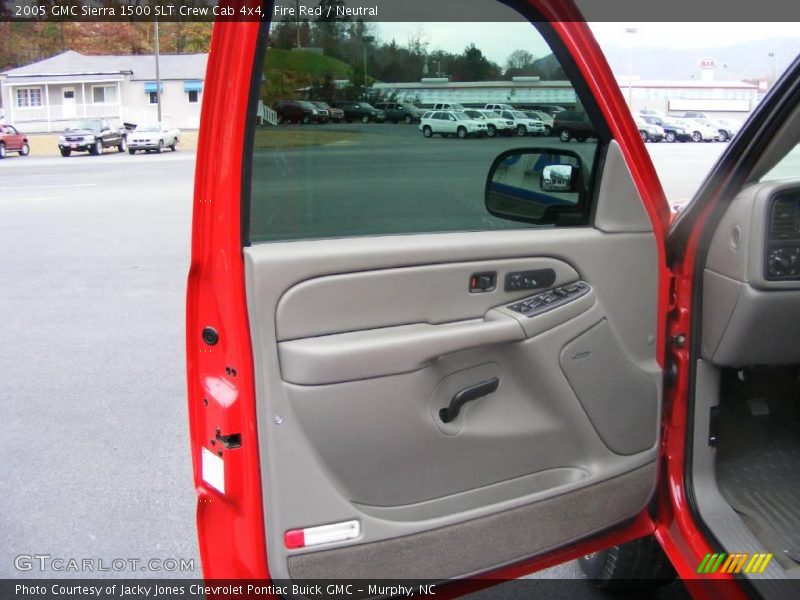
[620, 399]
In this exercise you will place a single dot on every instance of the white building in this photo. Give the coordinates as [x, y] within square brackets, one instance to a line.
[46, 95]
[721, 98]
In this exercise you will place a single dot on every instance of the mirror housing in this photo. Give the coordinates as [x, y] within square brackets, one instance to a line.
[544, 186]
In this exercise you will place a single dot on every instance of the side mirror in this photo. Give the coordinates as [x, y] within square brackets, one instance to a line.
[537, 185]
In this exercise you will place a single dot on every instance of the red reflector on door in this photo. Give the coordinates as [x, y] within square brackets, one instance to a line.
[294, 538]
[322, 534]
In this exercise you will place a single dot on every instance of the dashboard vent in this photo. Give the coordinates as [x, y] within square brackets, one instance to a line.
[784, 223]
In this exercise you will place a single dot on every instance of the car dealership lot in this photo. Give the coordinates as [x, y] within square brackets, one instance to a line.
[95, 256]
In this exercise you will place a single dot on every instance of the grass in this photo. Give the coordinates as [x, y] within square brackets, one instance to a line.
[288, 70]
[271, 138]
[309, 63]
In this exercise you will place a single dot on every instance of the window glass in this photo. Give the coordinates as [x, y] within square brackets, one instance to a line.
[194, 96]
[321, 180]
[29, 97]
[787, 168]
[153, 97]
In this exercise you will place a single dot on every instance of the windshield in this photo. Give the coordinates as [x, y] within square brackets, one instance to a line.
[461, 116]
[84, 124]
[519, 114]
[787, 168]
[148, 127]
[366, 105]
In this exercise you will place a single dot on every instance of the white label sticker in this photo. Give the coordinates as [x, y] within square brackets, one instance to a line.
[213, 470]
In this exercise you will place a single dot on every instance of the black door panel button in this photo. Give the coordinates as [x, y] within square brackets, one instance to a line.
[529, 280]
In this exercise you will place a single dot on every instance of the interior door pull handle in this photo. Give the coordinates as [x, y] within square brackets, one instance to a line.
[473, 392]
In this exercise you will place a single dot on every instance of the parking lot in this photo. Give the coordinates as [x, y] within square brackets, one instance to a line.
[95, 257]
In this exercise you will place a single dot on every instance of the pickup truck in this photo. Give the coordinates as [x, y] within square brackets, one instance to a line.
[12, 140]
[92, 136]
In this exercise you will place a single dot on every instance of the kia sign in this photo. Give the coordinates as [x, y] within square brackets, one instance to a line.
[707, 63]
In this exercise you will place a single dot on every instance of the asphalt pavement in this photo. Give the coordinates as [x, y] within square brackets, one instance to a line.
[95, 253]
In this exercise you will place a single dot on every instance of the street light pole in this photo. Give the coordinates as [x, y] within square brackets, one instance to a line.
[774, 67]
[631, 30]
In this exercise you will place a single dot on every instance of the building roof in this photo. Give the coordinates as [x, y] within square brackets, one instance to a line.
[524, 83]
[139, 67]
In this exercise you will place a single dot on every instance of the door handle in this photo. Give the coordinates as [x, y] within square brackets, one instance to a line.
[473, 392]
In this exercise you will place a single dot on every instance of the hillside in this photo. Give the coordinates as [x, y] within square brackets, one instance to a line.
[287, 70]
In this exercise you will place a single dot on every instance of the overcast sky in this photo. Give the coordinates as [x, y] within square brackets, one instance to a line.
[498, 40]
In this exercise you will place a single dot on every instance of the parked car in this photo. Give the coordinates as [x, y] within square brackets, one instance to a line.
[649, 132]
[360, 111]
[649, 112]
[550, 109]
[400, 111]
[673, 130]
[498, 107]
[523, 123]
[724, 130]
[700, 131]
[731, 125]
[546, 119]
[299, 111]
[570, 124]
[153, 137]
[451, 122]
[92, 136]
[11, 140]
[447, 106]
[495, 124]
[694, 115]
[336, 114]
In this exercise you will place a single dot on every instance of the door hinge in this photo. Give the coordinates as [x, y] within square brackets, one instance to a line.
[670, 374]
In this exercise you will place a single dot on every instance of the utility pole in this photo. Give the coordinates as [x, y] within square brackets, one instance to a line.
[158, 72]
[366, 39]
[297, 29]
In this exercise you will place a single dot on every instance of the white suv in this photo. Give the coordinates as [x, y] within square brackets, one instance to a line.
[523, 123]
[495, 124]
[447, 106]
[498, 107]
[450, 122]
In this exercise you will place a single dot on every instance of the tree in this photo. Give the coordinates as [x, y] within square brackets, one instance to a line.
[472, 65]
[519, 59]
